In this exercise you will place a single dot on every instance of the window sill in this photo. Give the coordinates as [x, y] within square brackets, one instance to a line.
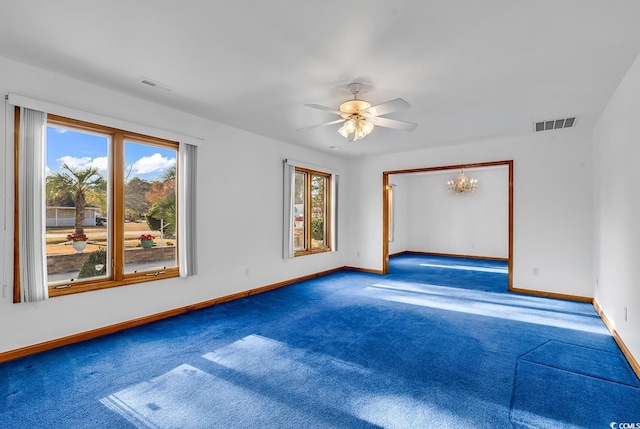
[87, 286]
[312, 252]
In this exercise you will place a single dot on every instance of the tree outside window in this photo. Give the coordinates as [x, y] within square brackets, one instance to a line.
[311, 211]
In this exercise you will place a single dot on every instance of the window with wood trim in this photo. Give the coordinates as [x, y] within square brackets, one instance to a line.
[111, 207]
[312, 208]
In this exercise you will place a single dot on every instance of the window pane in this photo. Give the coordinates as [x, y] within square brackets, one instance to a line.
[318, 211]
[150, 208]
[77, 176]
[299, 238]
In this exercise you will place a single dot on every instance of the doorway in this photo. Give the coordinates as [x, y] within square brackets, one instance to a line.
[388, 206]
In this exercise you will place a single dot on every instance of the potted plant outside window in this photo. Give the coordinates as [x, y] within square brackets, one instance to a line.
[146, 240]
[79, 241]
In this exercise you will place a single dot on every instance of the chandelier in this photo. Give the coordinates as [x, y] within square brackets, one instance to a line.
[462, 184]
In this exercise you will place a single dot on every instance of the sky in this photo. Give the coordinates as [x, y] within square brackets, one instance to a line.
[82, 150]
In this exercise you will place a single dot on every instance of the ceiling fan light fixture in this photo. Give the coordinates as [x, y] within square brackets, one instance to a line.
[350, 125]
[367, 126]
[357, 125]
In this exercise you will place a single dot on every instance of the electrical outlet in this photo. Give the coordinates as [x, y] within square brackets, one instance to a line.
[358, 254]
[536, 271]
[246, 271]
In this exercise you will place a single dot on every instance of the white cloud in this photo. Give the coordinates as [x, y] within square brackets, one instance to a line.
[74, 162]
[60, 130]
[152, 164]
[101, 163]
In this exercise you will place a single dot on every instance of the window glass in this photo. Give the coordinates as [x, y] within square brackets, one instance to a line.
[311, 210]
[150, 207]
[318, 211]
[77, 179]
[299, 209]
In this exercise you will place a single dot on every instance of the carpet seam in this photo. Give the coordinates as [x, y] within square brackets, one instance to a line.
[581, 374]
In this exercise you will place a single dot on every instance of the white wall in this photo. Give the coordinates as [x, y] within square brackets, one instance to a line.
[239, 215]
[552, 204]
[475, 224]
[617, 209]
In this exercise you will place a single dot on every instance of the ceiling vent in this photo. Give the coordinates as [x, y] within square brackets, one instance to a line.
[554, 124]
[154, 84]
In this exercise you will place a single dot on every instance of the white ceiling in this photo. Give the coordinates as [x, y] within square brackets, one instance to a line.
[469, 68]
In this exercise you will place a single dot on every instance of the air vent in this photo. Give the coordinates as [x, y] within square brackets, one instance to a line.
[154, 84]
[554, 124]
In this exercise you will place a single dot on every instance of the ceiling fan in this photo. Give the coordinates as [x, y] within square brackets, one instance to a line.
[358, 117]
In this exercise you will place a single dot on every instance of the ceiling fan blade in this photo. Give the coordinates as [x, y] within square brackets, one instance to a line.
[328, 109]
[337, 121]
[393, 123]
[388, 107]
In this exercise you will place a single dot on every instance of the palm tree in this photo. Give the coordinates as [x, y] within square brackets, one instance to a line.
[169, 173]
[75, 184]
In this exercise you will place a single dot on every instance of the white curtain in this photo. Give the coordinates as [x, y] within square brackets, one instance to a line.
[334, 212]
[32, 209]
[289, 189]
[187, 221]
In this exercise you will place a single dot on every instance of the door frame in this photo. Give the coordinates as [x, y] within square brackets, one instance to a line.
[386, 207]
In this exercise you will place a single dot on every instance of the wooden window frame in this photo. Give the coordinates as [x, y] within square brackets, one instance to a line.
[116, 193]
[308, 249]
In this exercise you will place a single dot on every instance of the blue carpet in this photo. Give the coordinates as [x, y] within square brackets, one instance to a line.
[556, 383]
[426, 347]
[476, 274]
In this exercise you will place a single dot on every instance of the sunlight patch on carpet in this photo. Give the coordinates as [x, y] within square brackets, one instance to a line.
[338, 385]
[189, 398]
[463, 303]
[468, 268]
[263, 357]
[389, 410]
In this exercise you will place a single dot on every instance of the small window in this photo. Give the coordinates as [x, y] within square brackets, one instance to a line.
[312, 208]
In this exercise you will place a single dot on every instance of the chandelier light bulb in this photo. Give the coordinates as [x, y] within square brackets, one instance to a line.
[344, 132]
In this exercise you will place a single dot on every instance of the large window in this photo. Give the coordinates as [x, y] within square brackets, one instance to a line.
[111, 207]
[312, 210]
